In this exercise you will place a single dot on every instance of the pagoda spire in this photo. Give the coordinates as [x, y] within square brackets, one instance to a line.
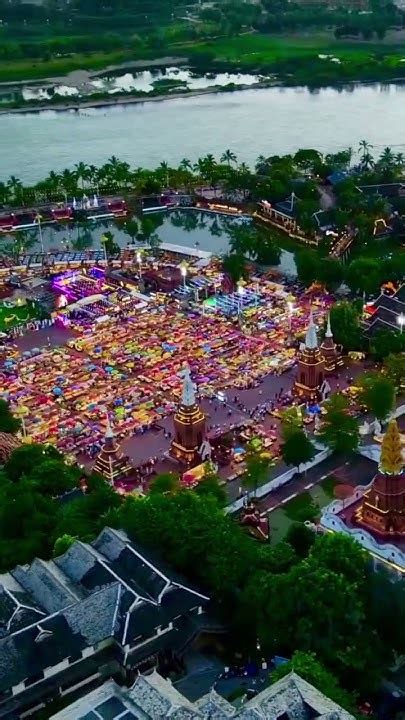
[328, 333]
[189, 425]
[188, 392]
[391, 460]
[311, 340]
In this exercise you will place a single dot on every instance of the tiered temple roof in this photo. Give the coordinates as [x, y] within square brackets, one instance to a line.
[153, 698]
[106, 591]
[110, 462]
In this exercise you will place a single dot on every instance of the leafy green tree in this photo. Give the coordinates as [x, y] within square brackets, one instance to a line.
[165, 483]
[377, 394]
[343, 555]
[27, 519]
[278, 558]
[339, 430]
[331, 273]
[306, 665]
[258, 463]
[297, 449]
[53, 477]
[111, 247]
[308, 267]
[395, 368]
[345, 324]
[62, 544]
[210, 485]
[131, 228]
[217, 552]
[86, 516]
[8, 423]
[291, 421]
[317, 610]
[386, 342]
[307, 158]
[235, 266]
[27, 457]
[364, 275]
[301, 538]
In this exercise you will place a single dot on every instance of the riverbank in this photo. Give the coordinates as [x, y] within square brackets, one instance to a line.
[76, 105]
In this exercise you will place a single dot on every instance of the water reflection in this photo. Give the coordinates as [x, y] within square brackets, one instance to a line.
[189, 228]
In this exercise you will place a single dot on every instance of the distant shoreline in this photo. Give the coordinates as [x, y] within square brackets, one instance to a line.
[123, 100]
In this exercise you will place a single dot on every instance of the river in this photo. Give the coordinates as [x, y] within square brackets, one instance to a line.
[249, 122]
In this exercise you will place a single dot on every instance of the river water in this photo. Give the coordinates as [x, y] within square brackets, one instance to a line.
[250, 123]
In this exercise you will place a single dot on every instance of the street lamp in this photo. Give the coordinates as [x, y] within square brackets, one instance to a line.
[104, 243]
[139, 261]
[183, 271]
[401, 321]
[38, 219]
[290, 307]
[240, 293]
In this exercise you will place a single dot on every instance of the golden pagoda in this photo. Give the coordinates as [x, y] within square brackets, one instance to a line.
[383, 506]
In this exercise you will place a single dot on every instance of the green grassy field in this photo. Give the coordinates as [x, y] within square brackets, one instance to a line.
[14, 71]
[248, 50]
[254, 49]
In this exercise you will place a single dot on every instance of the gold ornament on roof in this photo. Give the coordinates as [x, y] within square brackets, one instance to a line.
[391, 461]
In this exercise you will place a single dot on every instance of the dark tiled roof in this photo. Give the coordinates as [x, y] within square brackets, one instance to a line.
[109, 589]
[39, 580]
[387, 190]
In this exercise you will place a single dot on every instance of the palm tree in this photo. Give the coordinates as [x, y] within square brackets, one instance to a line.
[364, 147]
[228, 157]
[262, 165]
[131, 228]
[15, 188]
[69, 182]
[164, 170]
[82, 172]
[185, 164]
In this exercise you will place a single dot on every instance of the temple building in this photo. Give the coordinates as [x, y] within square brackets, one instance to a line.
[110, 462]
[310, 367]
[329, 351]
[374, 515]
[189, 425]
[152, 697]
[383, 508]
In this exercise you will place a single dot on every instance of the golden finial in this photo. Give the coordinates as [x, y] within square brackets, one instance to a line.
[391, 461]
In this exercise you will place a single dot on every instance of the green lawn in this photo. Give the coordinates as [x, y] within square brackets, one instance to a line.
[15, 315]
[36, 69]
[300, 508]
[256, 49]
[247, 50]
